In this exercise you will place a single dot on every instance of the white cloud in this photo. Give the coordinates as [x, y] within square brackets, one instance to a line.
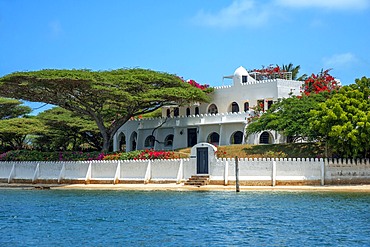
[340, 60]
[327, 4]
[240, 13]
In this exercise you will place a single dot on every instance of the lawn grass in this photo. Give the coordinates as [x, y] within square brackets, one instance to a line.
[290, 150]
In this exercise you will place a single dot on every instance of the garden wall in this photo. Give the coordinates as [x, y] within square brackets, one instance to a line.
[269, 172]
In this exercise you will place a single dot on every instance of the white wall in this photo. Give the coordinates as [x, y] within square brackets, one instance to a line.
[326, 171]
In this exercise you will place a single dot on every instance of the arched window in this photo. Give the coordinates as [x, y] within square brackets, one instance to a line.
[149, 142]
[188, 112]
[246, 106]
[236, 138]
[234, 107]
[133, 141]
[266, 138]
[212, 109]
[176, 112]
[197, 110]
[168, 141]
[213, 138]
[168, 113]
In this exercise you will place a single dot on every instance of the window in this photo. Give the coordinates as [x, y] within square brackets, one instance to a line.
[234, 107]
[188, 112]
[244, 79]
[149, 142]
[168, 113]
[176, 112]
[212, 109]
[168, 141]
[236, 138]
[246, 106]
[213, 138]
[197, 110]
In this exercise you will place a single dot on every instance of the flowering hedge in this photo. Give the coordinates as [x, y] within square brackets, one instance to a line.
[270, 72]
[141, 155]
[32, 155]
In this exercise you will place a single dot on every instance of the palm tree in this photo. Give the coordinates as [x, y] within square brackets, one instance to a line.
[295, 70]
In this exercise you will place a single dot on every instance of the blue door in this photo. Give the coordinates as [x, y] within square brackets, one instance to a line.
[202, 160]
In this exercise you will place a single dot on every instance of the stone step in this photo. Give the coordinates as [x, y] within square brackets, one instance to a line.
[197, 180]
[195, 183]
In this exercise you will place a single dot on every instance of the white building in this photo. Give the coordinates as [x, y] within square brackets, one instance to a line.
[220, 122]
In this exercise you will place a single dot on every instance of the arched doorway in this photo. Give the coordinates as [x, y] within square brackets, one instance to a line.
[213, 138]
[266, 138]
[121, 142]
[133, 141]
[236, 138]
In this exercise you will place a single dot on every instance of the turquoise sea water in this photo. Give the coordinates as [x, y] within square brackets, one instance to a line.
[153, 218]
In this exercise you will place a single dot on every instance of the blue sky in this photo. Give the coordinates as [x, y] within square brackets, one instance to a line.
[196, 39]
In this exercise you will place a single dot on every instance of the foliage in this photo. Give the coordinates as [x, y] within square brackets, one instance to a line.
[11, 108]
[289, 116]
[320, 82]
[14, 131]
[204, 87]
[33, 155]
[142, 155]
[343, 121]
[288, 150]
[65, 130]
[110, 98]
[295, 71]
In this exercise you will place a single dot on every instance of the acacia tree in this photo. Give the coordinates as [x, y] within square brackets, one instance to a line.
[110, 98]
[15, 126]
[66, 130]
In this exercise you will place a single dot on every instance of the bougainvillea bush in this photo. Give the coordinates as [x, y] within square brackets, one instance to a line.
[321, 82]
[142, 155]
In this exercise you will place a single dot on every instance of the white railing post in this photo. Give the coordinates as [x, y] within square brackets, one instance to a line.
[180, 173]
[12, 174]
[62, 172]
[323, 164]
[36, 173]
[88, 173]
[226, 173]
[273, 173]
[118, 173]
[148, 172]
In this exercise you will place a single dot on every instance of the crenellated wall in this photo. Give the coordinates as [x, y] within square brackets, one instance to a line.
[269, 172]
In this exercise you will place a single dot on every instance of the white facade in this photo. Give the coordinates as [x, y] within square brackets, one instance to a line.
[221, 121]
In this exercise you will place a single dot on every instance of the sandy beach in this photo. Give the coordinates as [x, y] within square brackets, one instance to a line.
[181, 187]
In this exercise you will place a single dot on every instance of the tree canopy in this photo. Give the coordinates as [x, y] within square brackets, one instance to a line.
[343, 121]
[65, 130]
[289, 116]
[110, 98]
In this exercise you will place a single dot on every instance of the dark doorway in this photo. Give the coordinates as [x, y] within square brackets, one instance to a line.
[202, 160]
[192, 137]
